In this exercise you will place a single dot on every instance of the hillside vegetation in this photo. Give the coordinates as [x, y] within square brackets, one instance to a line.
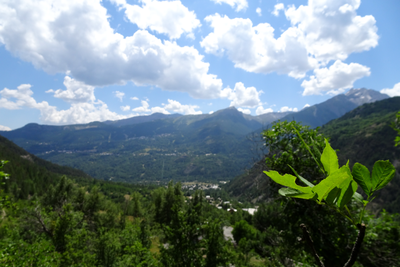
[362, 135]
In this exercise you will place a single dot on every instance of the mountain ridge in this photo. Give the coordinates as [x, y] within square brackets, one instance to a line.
[193, 147]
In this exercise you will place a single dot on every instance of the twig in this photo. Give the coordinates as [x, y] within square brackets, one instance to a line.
[307, 236]
[38, 216]
[357, 245]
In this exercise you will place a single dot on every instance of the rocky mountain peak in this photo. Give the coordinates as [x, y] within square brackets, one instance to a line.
[362, 96]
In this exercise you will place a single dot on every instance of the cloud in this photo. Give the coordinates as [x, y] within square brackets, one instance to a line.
[125, 108]
[176, 107]
[395, 91]
[277, 8]
[335, 79]
[306, 106]
[134, 98]
[75, 37]
[258, 11]
[255, 49]
[76, 92]
[211, 112]
[166, 17]
[22, 97]
[79, 111]
[286, 109]
[4, 128]
[242, 96]
[240, 4]
[260, 110]
[332, 30]
[144, 108]
[172, 106]
[320, 32]
[119, 95]
[245, 111]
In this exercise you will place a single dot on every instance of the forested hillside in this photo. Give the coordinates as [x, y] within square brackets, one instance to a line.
[363, 135]
[49, 220]
[194, 147]
[207, 147]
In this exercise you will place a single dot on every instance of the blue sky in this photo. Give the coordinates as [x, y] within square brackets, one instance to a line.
[77, 61]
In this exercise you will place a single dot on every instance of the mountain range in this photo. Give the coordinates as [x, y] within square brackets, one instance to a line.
[160, 147]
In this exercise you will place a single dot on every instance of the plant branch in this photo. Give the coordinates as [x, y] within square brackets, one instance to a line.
[38, 216]
[357, 245]
[307, 236]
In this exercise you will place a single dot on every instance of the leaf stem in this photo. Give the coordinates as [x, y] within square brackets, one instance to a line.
[309, 150]
[357, 245]
[310, 242]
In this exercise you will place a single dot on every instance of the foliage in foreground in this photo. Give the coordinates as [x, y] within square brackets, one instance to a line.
[336, 190]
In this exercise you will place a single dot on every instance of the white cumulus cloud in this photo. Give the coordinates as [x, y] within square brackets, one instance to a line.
[125, 108]
[79, 111]
[76, 92]
[242, 96]
[278, 7]
[245, 111]
[286, 109]
[332, 29]
[306, 106]
[260, 110]
[255, 49]
[75, 37]
[335, 79]
[320, 32]
[119, 95]
[167, 17]
[4, 128]
[134, 98]
[172, 106]
[176, 107]
[258, 11]
[239, 4]
[395, 91]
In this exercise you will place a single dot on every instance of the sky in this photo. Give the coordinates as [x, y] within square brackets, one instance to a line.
[77, 61]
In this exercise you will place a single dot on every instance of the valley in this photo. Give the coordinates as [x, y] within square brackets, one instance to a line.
[208, 147]
[129, 207]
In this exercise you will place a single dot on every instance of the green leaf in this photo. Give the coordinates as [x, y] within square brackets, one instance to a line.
[358, 197]
[304, 180]
[348, 188]
[332, 196]
[307, 147]
[290, 192]
[382, 173]
[329, 159]
[287, 180]
[362, 176]
[335, 180]
[314, 146]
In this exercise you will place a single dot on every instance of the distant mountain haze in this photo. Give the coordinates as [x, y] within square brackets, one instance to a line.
[207, 147]
[335, 107]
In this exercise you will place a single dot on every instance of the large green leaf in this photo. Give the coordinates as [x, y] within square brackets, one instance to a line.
[335, 180]
[363, 178]
[329, 159]
[290, 192]
[348, 188]
[382, 173]
[304, 180]
[287, 180]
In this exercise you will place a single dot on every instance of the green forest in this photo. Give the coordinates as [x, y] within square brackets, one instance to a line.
[58, 216]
